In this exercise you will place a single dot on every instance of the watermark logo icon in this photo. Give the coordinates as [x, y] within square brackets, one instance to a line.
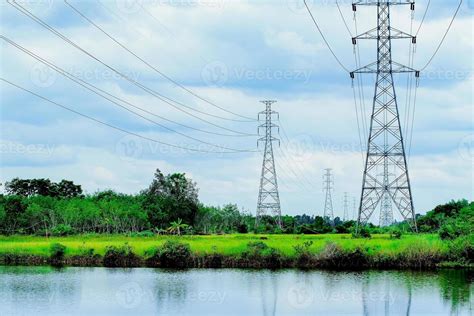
[301, 295]
[129, 295]
[298, 6]
[42, 75]
[129, 148]
[300, 147]
[215, 74]
[129, 6]
[466, 148]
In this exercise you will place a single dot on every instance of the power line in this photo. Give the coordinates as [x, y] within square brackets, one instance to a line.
[324, 38]
[248, 119]
[161, 97]
[423, 19]
[93, 89]
[119, 128]
[444, 37]
[343, 19]
[71, 77]
[298, 167]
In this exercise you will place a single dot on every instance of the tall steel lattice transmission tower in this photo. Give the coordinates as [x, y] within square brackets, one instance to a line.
[268, 196]
[327, 188]
[386, 180]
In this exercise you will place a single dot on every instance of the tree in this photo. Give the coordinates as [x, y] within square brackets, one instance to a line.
[169, 198]
[177, 226]
[44, 187]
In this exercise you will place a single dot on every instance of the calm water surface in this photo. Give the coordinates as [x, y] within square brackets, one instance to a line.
[102, 291]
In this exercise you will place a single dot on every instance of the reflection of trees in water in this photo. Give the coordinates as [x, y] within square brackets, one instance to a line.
[41, 287]
[456, 287]
[171, 287]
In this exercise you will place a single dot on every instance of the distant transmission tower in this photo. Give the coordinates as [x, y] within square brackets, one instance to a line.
[328, 186]
[268, 197]
[346, 207]
[354, 208]
[386, 148]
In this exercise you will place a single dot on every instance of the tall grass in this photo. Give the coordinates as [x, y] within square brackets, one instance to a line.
[229, 245]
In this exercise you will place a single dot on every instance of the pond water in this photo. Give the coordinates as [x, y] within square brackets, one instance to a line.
[102, 291]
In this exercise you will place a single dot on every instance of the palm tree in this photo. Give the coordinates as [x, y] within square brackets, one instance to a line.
[177, 226]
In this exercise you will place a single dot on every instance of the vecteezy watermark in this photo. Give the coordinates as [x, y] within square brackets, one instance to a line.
[129, 295]
[134, 6]
[217, 74]
[36, 4]
[208, 297]
[129, 148]
[298, 6]
[300, 295]
[446, 74]
[129, 6]
[8, 147]
[466, 148]
[301, 147]
[42, 76]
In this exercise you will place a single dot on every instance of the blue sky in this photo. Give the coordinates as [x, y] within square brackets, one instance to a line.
[234, 53]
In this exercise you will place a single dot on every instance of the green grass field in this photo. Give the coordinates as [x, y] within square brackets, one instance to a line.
[224, 244]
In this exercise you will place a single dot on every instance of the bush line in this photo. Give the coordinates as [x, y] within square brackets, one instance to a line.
[177, 255]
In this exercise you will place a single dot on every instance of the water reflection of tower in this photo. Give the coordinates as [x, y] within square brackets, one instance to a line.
[379, 297]
[266, 309]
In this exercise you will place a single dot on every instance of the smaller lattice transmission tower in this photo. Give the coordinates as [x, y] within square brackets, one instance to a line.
[354, 209]
[268, 196]
[327, 188]
[345, 217]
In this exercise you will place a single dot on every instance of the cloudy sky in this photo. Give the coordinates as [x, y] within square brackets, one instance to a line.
[232, 54]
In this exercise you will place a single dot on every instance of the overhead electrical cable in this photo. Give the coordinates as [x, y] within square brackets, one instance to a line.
[423, 19]
[298, 167]
[71, 77]
[324, 38]
[119, 128]
[343, 19]
[444, 36]
[94, 89]
[248, 119]
[161, 97]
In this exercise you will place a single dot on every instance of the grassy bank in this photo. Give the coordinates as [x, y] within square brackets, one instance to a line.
[241, 250]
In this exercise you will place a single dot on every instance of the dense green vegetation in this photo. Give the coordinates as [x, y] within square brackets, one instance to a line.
[166, 225]
[170, 205]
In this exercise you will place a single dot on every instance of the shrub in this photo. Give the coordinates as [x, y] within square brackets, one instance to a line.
[362, 233]
[303, 255]
[242, 228]
[56, 252]
[145, 233]
[120, 256]
[462, 249]
[259, 254]
[62, 230]
[395, 234]
[172, 254]
[333, 256]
